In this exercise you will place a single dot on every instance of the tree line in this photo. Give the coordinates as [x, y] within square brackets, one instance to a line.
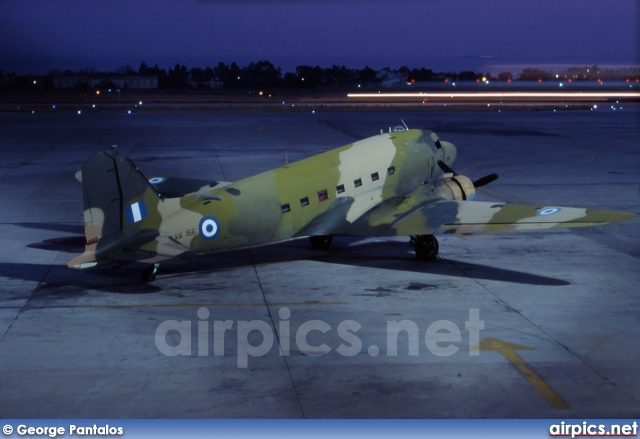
[256, 75]
[264, 75]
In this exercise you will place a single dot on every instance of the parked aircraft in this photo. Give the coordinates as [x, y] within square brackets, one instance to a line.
[397, 183]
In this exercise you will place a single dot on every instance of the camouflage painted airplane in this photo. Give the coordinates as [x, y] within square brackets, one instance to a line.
[398, 183]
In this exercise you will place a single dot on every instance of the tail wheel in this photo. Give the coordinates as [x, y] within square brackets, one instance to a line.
[427, 247]
[149, 273]
[321, 242]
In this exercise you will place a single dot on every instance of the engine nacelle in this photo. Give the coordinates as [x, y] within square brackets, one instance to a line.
[457, 187]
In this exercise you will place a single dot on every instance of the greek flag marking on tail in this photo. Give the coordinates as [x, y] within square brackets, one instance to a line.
[136, 212]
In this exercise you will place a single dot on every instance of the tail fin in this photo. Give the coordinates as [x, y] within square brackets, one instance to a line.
[118, 210]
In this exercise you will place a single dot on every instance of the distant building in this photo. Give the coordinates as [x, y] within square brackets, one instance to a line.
[123, 82]
[211, 84]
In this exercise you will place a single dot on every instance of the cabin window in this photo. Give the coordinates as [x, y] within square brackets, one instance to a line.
[357, 182]
[391, 170]
[340, 188]
[323, 195]
[304, 201]
[285, 208]
[375, 176]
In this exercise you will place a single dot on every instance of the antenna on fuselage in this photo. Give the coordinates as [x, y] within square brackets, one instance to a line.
[405, 125]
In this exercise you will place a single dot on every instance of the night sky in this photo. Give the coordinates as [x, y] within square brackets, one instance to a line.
[37, 36]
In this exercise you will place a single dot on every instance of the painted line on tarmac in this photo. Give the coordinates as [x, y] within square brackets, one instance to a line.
[176, 305]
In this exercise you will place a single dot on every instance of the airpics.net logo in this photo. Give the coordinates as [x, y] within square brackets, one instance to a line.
[256, 338]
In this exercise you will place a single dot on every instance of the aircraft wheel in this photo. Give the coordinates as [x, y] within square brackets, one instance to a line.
[322, 242]
[149, 273]
[427, 247]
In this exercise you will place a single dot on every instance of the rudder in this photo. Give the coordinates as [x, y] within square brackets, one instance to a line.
[116, 198]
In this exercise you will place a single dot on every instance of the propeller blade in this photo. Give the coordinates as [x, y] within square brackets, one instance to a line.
[483, 181]
[446, 168]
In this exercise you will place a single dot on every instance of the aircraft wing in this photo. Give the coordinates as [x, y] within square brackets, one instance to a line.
[479, 217]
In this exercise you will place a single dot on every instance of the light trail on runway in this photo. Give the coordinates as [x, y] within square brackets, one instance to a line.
[484, 95]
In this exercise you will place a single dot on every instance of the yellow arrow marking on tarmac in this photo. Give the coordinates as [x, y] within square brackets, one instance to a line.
[508, 350]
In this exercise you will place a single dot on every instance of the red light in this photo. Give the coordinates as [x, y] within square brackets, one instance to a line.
[477, 80]
[509, 80]
[570, 80]
[413, 81]
[637, 80]
[539, 80]
[626, 80]
[446, 80]
[599, 80]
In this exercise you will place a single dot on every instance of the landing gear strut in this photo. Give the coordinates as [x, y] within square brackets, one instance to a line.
[426, 246]
[321, 242]
[149, 273]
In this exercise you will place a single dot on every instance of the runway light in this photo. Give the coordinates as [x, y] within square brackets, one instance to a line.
[129, 112]
[97, 92]
[140, 103]
[53, 106]
[561, 84]
[94, 105]
[79, 112]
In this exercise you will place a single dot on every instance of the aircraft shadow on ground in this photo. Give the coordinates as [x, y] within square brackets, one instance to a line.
[379, 254]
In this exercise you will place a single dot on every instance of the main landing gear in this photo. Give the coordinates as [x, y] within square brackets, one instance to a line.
[426, 246]
[149, 273]
[321, 242]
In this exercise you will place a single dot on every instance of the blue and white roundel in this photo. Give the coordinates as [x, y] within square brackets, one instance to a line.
[549, 211]
[209, 228]
[157, 180]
